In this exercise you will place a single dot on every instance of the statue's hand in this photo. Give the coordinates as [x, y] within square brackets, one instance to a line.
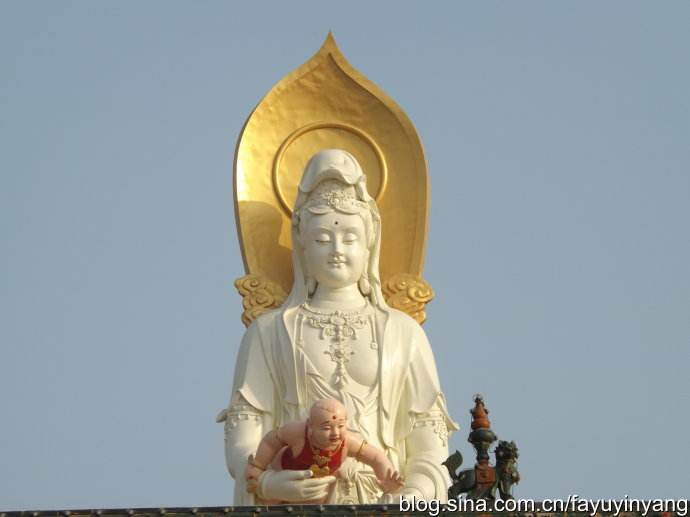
[387, 498]
[395, 497]
[409, 492]
[293, 486]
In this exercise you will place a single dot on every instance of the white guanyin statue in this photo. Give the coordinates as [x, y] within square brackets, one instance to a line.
[335, 337]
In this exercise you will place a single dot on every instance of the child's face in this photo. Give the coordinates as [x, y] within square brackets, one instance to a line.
[328, 429]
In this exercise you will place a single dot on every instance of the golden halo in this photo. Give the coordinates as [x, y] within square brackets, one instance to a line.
[326, 125]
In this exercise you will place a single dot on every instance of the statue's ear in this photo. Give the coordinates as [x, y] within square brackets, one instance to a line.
[364, 285]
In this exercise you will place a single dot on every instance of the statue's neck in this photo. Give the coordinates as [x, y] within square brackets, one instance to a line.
[337, 298]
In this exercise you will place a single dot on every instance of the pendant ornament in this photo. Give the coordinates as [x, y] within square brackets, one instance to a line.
[341, 327]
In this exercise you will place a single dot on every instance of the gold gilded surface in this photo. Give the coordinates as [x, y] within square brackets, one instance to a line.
[259, 295]
[408, 293]
[326, 103]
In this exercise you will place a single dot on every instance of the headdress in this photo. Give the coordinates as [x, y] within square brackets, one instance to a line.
[333, 180]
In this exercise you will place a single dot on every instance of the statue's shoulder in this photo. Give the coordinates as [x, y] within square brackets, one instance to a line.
[262, 324]
[402, 318]
[405, 323]
[268, 318]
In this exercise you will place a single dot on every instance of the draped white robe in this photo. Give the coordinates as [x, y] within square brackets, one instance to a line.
[270, 384]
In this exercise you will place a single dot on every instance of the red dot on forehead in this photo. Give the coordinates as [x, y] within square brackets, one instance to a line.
[333, 417]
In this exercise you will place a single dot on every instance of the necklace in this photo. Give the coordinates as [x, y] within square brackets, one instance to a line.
[341, 327]
[322, 457]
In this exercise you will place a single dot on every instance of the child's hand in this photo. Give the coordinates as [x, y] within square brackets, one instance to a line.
[251, 474]
[392, 482]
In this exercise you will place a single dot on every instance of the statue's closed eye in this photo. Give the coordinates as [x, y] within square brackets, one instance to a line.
[322, 238]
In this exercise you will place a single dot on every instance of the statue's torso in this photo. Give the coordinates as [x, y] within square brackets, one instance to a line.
[307, 362]
[342, 355]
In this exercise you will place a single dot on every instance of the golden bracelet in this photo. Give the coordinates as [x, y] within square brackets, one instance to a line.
[253, 463]
[364, 442]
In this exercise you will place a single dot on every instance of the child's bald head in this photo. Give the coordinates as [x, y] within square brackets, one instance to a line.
[327, 424]
[327, 409]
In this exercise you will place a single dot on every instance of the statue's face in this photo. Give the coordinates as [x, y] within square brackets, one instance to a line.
[335, 248]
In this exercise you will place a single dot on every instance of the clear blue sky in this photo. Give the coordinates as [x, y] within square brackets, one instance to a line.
[557, 135]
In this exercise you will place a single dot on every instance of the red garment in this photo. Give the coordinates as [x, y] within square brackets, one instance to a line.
[305, 458]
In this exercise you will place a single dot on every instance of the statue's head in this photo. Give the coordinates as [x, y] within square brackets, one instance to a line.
[336, 227]
[335, 235]
[327, 424]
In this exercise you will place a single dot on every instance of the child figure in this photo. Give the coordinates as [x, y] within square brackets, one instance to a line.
[320, 445]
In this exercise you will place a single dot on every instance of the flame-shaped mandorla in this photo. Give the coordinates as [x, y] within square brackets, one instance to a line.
[326, 103]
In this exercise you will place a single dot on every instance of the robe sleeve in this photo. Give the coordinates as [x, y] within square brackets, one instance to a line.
[251, 411]
[253, 380]
[424, 421]
[422, 387]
